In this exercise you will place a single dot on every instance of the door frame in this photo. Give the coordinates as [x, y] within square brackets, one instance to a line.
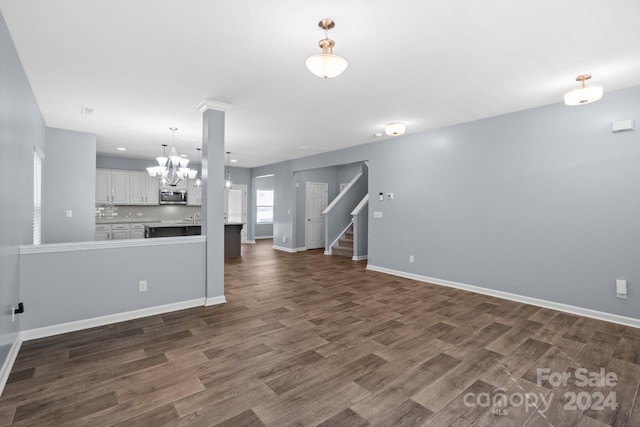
[306, 210]
[243, 187]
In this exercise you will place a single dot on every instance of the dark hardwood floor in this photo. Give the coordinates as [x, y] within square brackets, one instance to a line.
[308, 339]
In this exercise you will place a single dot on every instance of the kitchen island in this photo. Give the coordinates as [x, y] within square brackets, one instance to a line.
[232, 230]
[171, 230]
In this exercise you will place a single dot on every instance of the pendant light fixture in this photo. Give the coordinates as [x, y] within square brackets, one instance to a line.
[583, 94]
[198, 176]
[227, 181]
[326, 64]
[173, 169]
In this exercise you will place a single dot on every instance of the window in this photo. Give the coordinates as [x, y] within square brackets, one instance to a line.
[264, 203]
[37, 195]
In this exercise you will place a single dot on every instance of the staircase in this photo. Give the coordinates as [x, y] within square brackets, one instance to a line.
[344, 247]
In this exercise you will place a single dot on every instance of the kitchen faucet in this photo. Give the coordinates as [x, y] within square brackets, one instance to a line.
[196, 217]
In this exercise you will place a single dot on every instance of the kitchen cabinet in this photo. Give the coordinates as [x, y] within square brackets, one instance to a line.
[120, 187]
[103, 232]
[112, 186]
[137, 231]
[143, 189]
[194, 194]
[119, 231]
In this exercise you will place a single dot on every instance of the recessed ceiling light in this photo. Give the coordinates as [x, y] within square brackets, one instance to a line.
[86, 110]
[183, 155]
[377, 134]
[121, 149]
[234, 160]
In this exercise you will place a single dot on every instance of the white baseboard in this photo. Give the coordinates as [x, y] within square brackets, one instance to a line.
[63, 328]
[249, 242]
[9, 361]
[600, 315]
[283, 249]
[360, 257]
[263, 237]
[301, 249]
[214, 301]
[328, 252]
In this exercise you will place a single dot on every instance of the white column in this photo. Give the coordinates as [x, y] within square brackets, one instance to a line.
[213, 114]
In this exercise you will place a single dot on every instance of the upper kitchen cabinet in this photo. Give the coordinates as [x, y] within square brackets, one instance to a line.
[194, 194]
[144, 189]
[112, 186]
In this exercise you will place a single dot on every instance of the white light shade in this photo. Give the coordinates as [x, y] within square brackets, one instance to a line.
[192, 173]
[326, 65]
[152, 171]
[395, 129]
[184, 162]
[583, 95]
[173, 156]
[227, 184]
[162, 161]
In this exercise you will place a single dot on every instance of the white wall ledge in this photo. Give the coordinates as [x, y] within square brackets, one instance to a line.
[108, 244]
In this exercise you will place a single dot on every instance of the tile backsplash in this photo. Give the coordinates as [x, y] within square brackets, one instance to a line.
[165, 212]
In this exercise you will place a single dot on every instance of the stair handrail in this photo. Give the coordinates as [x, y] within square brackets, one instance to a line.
[356, 211]
[342, 193]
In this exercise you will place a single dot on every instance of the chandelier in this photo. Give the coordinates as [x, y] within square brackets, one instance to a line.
[173, 169]
[326, 64]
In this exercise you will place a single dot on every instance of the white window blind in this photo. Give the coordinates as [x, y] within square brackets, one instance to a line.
[37, 195]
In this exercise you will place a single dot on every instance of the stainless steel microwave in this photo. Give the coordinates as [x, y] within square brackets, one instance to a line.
[173, 196]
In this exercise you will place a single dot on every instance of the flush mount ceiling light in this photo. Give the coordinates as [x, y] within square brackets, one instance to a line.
[326, 64]
[395, 129]
[584, 94]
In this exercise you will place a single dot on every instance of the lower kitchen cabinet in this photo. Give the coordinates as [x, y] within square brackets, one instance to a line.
[119, 231]
[137, 231]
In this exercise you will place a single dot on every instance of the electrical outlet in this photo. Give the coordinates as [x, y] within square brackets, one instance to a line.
[284, 239]
[142, 286]
[13, 313]
[411, 258]
[69, 214]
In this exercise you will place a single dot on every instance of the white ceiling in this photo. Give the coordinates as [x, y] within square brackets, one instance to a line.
[144, 66]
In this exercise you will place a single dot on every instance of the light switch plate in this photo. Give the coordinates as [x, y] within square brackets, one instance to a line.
[377, 214]
[621, 288]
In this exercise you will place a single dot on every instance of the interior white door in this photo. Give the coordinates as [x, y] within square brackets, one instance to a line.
[235, 202]
[316, 202]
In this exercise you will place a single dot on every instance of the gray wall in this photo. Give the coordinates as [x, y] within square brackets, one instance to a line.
[91, 283]
[69, 183]
[21, 127]
[541, 203]
[127, 163]
[347, 172]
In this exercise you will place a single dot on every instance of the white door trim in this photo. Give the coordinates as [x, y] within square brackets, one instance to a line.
[313, 219]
